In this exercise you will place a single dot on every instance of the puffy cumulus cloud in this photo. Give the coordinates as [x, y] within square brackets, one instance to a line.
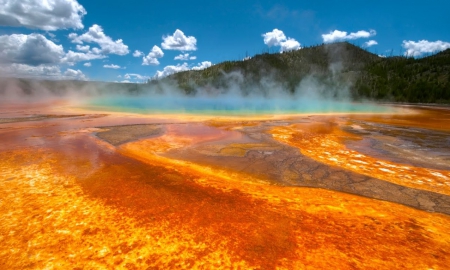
[290, 45]
[96, 35]
[202, 65]
[182, 57]
[72, 57]
[152, 56]
[178, 41]
[137, 53]
[47, 15]
[169, 70]
[83, 48]
[274, 38]
[112, 66]
[185, 57]
[278, 38]
[337, 35]
[33, 50]
[420, 47]
[74, 74]
[88, 64]
[370, 43]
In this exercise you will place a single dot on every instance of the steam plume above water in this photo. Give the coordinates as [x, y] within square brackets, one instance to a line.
[234, 105]
[234, 96]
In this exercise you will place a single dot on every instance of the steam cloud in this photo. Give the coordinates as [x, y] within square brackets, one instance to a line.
[232, 95]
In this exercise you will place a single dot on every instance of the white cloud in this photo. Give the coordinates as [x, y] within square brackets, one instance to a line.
[111, 66]
[185, 57]
[33, 50]
[152, 57]
[47, 15]
[274, 38]
[137, 53]
[290, 45]
[370, 43]
[182, 57]
[278, 38]
[83, 48]
[202, 65]
[136, 77]
[337, 35]
[74, 74]
[96, 35]
[418, 48]
[168, 70]
[72, 57]
[88, 64]
[178, 41]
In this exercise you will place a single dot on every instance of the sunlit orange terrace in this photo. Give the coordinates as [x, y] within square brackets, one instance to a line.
[81, 189]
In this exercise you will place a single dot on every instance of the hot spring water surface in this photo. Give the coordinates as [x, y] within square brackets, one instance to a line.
[230, 105]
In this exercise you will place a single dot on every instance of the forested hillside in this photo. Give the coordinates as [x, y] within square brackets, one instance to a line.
[366, 75]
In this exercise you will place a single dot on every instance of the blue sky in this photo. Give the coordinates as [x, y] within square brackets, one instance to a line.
[115, 40]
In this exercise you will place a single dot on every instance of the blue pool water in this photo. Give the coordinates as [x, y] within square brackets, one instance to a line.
[229, 105]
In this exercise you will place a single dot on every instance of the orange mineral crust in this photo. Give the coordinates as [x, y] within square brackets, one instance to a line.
[71, 201]
[127, 214]
[324, 142]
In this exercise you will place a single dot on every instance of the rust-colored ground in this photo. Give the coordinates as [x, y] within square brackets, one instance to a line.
[324, 142]
[71, 201]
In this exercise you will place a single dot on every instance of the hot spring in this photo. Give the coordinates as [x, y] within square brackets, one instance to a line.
[228, 105]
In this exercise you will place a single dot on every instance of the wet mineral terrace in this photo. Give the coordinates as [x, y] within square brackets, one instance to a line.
[90, 190]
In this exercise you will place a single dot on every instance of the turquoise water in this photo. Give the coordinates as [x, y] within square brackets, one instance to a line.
[229, 105]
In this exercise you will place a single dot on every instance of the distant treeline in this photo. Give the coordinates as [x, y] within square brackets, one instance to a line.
[365, 75]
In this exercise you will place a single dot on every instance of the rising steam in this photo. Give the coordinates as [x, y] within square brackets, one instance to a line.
[233, 94]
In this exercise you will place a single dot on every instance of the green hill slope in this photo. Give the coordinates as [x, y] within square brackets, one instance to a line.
[336, 67]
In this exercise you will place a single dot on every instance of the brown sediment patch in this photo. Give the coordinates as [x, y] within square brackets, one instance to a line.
[117, 135]
[422, 117]
[324, 142]
[40, 117]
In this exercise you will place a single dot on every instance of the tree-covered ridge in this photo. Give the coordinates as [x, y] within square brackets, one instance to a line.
[366, 75]
[406, 79]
